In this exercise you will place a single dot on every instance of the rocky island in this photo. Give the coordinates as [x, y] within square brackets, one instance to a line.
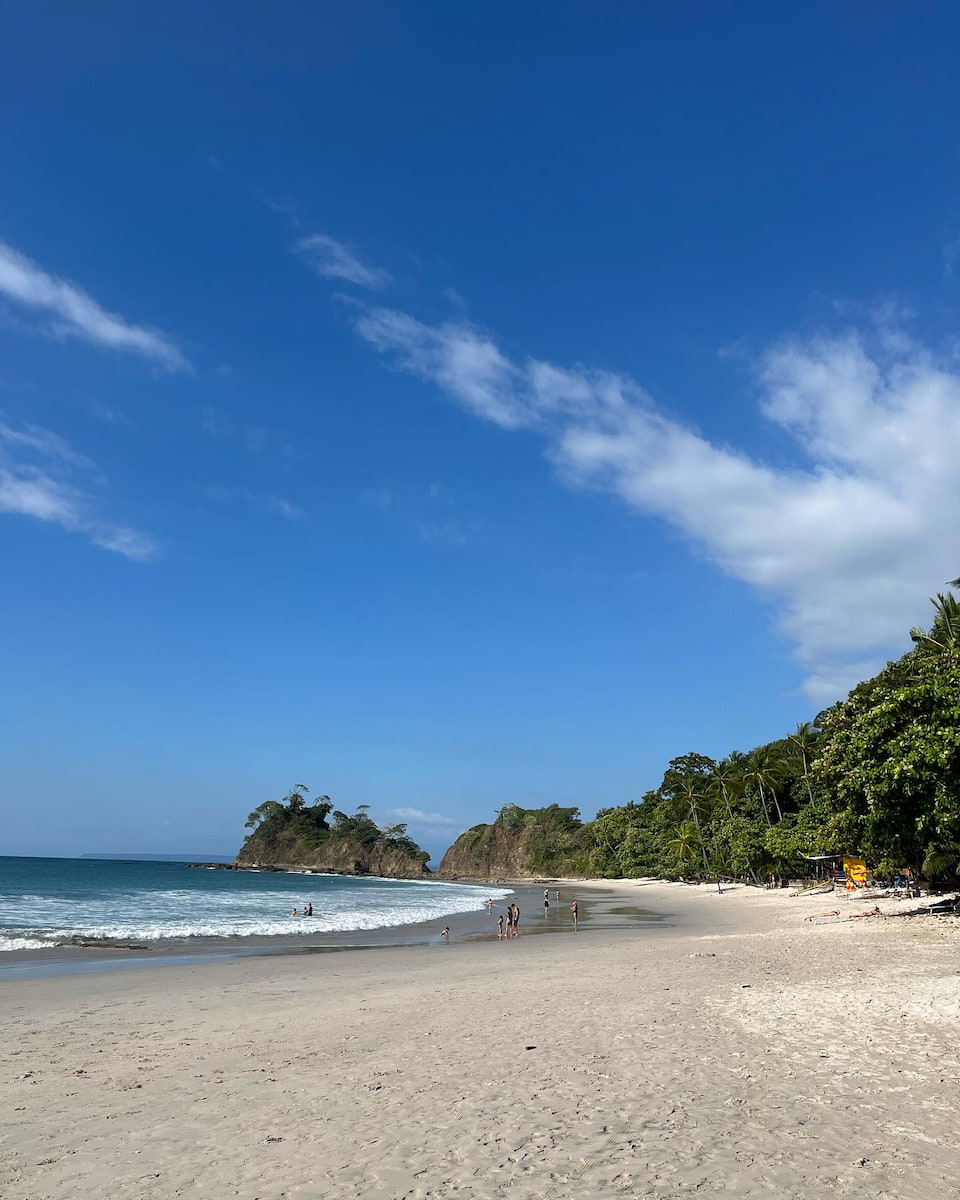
[292, 834]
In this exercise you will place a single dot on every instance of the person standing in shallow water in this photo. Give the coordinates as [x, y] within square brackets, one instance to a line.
[509, 920]
[500, 927]
[516, 920]
[574, 908]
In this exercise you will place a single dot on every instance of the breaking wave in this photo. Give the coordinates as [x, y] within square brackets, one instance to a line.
[228, 905]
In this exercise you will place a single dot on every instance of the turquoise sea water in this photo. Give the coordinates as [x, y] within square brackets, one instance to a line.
[47, 901]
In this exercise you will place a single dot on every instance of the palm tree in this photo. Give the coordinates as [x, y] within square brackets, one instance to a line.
[942, 859]
[727, 780]
[696, 800]
[945, 632]
[804, 738]
[764, 771]
[685, 842]
[295, 797]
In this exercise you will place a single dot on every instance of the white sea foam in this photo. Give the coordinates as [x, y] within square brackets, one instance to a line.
[24, 943]
[234, 907]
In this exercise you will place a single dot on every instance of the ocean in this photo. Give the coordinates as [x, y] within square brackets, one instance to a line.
[46, 902]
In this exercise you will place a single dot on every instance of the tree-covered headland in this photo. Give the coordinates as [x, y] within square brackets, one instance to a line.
[877, 774]
[294, 832]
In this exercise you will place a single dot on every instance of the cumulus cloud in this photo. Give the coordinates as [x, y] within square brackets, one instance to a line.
[418, 817]
[847, 545]
[41, 476]
[334, 260]
[71, 312]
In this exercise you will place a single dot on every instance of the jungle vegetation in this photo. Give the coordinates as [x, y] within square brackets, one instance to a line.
[876, 774]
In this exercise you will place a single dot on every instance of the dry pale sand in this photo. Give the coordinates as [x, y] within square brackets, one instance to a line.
[743, 1052]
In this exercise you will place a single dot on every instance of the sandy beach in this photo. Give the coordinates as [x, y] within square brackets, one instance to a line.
[735, 1049]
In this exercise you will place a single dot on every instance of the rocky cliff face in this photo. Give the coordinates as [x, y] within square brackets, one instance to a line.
[282, 848]
[497, 854]
[522, 843]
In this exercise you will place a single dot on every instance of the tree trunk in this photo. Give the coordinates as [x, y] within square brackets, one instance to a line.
[763, 801]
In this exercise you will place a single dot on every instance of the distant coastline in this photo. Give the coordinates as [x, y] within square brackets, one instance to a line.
[175, 858]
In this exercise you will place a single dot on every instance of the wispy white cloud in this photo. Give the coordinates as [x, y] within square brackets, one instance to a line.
[450, 532]
[334, 260]
[43, 477]
[255, 438]
[275, 505]
[380, 498]
[427, 514]
[43, 442]
[951, 255]
[417, 816]
[847, 546]
[457, 356]
[282, 508]
[70, 311]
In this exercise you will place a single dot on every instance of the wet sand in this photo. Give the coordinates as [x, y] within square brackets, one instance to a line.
[731, 1048]
[597, 908]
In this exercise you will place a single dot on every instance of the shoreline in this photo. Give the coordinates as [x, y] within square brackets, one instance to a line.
[71, 960]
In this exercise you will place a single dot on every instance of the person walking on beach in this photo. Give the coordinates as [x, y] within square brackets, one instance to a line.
[500, 927]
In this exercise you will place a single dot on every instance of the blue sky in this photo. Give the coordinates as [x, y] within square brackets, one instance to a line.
[445, 406]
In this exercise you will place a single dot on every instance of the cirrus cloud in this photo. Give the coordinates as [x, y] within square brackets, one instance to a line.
[43, 477]
[71, 312]
[335, 260]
